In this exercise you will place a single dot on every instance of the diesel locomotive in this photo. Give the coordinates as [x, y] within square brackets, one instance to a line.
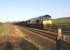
[40, 22]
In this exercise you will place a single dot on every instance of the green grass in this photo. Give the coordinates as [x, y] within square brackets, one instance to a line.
[2, 29]
[61, 21]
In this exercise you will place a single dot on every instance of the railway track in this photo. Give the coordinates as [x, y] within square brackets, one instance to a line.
[44, 33]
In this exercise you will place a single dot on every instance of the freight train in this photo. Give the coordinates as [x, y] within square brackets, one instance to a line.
[39, 22]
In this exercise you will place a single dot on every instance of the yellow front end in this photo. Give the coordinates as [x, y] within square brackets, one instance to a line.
[47, 23]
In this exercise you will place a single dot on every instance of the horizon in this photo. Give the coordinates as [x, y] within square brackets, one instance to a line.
[20, 10]
[29, 19]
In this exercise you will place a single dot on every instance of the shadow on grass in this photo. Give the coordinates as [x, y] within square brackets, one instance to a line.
[25, 45]
[8, 46]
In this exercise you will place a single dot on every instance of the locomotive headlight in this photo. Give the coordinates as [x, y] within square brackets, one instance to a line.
[49, 21]
[46, 22]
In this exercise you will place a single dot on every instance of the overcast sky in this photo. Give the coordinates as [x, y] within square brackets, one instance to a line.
[18, 10]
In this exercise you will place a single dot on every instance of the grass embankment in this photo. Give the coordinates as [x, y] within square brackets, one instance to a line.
[63, 21]
[2, 29]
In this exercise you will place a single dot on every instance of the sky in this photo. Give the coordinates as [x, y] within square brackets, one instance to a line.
[20, 10]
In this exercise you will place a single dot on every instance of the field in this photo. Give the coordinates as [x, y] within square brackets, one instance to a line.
[63, 21]
[2, 29]
[12, 38]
